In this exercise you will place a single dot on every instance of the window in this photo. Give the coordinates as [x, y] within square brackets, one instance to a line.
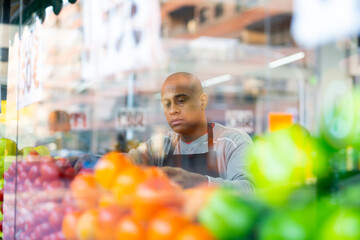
[203, 15]
[219, 9]
[238, 5]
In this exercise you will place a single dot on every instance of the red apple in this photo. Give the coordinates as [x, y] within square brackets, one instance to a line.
[49, 171]
[69, 173]
[8, 177]
[38, 183]
[34, 172]
[63, 163]
[55, 218]
[54, 185]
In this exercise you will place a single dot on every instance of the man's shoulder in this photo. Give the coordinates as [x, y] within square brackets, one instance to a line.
[161, 138]
[233, 135]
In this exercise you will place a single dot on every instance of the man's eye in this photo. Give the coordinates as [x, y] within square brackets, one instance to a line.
[181, 100]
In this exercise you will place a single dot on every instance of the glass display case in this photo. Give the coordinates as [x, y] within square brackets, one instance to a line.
[81, 86]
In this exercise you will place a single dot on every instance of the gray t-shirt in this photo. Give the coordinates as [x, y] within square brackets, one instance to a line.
[229, 144]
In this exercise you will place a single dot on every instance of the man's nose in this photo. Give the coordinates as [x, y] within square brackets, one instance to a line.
[174, 109]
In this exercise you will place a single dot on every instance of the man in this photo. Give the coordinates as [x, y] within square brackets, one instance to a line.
[195, 151]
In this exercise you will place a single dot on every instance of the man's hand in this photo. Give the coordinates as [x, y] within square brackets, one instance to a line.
[184, 178]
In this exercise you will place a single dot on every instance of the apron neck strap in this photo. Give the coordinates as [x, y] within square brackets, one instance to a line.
[210, 137]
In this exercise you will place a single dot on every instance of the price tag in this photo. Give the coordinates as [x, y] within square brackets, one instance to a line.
[79, 121]
[240, 119]
[278, 121]
[131, 118]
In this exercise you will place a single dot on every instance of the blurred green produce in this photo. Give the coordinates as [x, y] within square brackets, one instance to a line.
[342, 224]
[228, 216]
[7, 148]
[340, 126]
[42, 150]
[25, 151]
[282, 161]
[289, 223]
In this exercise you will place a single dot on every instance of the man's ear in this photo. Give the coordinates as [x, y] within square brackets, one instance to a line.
[203, 101]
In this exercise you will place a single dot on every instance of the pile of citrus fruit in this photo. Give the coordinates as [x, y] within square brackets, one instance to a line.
[121, 200]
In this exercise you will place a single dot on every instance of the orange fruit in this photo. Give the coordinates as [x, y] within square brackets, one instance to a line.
[194, 232]
[87, 225]
[165, 225]
[195, 198]
[155, 172]
[69, 224]
[129, 228]
[106, 200]
[83, 189]
[153, 194]
[109, 166]
[126, 183]
[108, 218]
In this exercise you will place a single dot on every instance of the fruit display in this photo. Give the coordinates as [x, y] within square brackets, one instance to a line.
[7, 148]
[34, 191]
[296, 175]
[121, 200]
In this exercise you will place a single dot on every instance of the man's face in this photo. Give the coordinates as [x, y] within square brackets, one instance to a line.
[182, 106]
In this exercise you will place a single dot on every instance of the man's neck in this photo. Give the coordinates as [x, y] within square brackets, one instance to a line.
[198, 132]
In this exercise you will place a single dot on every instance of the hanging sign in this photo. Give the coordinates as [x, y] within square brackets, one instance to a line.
[240, 119]
[131, 118]
[120, 35]
[27, 52]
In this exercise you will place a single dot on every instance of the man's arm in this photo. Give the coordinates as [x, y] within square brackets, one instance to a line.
[184, 178]
[237, 175]
[151, 152]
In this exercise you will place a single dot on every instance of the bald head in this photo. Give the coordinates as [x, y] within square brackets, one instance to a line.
[184, 104]
[184, 80]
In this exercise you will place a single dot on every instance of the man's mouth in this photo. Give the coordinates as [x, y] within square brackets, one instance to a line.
[176, 121]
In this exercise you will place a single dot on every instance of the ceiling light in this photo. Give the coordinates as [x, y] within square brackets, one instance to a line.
[286, 60]
[216, 80]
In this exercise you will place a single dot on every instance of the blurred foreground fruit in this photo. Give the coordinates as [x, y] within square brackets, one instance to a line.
[87, 224]
[42, 150]
[109, 167]
[165, 225]
[138, 203]
[289, 223]
[69, 225]
[340, 117]
[283, 160]
[342, 224]
[227, 216]
[195, 199]
[7, 147]
[108, 217]
[130, 228]
[126, 183]
[84, 191]
[194, 232]
[154, 194]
